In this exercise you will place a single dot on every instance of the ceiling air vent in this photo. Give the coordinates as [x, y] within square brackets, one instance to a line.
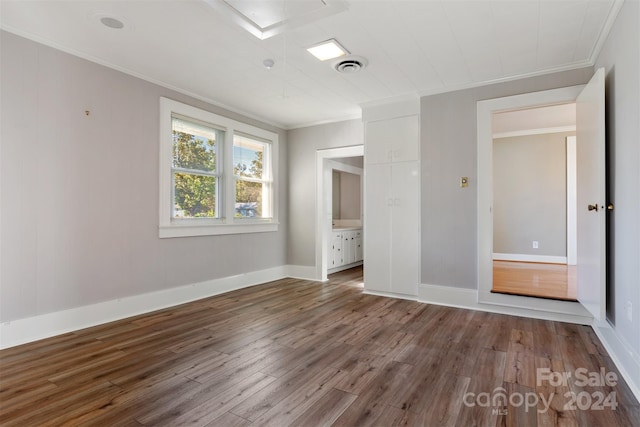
[350, 64]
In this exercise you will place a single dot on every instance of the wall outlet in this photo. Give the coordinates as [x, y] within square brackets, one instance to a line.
[628, 308]
[535, 244]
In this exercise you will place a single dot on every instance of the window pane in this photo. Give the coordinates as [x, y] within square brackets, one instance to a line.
[194, 196]
[194, 145]
[248, 156]
[249, 199]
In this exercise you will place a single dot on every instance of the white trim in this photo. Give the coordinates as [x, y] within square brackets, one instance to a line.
[218, 229]
[485, 109]
[545, 259]
[467, 299]
[391, 108]
[52, 44]
[346, 117]
[323, 202]
[344, 267]
[390, 295]
[537, 131]
[606, 28]
[22, 331]
[572, 202]
[226, 223]
[623, 355]
[343, 167]
[515, 77]
[305, 272]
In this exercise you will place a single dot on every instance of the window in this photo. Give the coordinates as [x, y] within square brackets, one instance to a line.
[216, 174]
[194, 168]
[252, 181]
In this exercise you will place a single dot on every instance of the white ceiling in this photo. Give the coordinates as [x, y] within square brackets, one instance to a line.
[413, 47]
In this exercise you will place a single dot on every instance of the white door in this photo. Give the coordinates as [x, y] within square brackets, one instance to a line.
[405, 236]
[591, 203]
[377, 274]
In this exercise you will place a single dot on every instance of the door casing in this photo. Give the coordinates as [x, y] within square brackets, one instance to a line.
[485, 110]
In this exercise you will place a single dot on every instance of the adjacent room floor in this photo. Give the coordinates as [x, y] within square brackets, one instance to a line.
[295, 352]
[553, 281]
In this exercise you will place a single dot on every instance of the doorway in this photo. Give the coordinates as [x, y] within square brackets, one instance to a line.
[325, 160]
[591, 249]
[534, 190]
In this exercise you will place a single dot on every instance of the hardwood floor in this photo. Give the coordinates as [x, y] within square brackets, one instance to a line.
[294, 352]
[554, 281]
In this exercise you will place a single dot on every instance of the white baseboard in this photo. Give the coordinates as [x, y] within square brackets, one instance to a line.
[344, 267]
[30, 329]
[468, 299]
[546, 259]
[304, 272]
[623, 355]
[390, 295]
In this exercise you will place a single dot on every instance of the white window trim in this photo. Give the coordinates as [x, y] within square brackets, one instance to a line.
[227, 223]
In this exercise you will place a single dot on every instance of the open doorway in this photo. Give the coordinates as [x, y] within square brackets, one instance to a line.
[346, 159]
[534, 189]
[345, 248]
[590, 196]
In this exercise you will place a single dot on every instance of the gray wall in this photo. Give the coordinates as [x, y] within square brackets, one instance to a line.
[621, 58]
[79, 193]
[303, 144]
[448, 151]
[530, 194]
[350, 189]
[335, 194]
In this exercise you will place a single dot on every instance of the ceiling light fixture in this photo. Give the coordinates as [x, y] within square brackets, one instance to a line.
[329, 49]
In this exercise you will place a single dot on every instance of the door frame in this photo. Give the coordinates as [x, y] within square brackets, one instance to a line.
[485, 109]
[324, 214]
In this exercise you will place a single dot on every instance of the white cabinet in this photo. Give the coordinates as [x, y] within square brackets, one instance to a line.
[345, 248]
[348, 247]
[392, 206]
[394, 140]
[335, 250]
[359, 247]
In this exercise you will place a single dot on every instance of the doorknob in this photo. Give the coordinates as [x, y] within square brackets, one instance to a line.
[593, 207]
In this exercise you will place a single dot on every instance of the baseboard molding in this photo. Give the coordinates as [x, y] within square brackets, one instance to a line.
[344, 267]
[468, 299]
[623, 355]
[546, 259]
[304, 272]
[390, 295]
[21, 331]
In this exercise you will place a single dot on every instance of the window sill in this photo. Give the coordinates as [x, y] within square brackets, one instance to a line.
[182, 230]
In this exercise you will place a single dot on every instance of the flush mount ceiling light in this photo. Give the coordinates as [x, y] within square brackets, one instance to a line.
[329, 49]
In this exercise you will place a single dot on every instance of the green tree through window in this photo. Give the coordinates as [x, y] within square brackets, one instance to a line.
[194, 161]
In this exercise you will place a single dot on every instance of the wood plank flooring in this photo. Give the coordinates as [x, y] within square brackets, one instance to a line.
[554, 281]
[300, 353]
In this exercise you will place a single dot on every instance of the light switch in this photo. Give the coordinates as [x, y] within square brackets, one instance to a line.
[464, 181]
